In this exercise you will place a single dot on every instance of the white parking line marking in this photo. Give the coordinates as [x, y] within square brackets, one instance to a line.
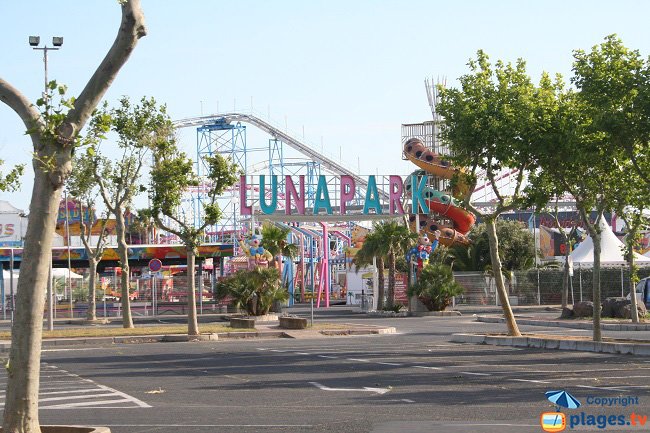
[364, 389]
[328, 357]
[59, 393]
[602, 388]
[86, 404]
[358, 360]
[427, 367]
[389, 363]
[529, 380]
[475, 374]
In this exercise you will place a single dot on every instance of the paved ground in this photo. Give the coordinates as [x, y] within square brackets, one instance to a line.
[415, 381]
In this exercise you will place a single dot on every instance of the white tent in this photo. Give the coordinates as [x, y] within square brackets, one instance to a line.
[63, 273]
[611, 251]
[6, 276]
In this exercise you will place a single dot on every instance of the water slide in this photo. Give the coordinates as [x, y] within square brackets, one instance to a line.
[441, 205]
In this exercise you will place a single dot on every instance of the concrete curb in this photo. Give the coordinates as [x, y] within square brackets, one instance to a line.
[550, 343]
[569, 324]
[5, 346]
[414, 313]
[450, 313]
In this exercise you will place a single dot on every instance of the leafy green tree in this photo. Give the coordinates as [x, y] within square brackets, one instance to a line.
[54, 136]
[489, 126]
[397, 239]
[82, 186]
[10, 182]
[569, 240]
[172, 175]
[373, 249]
[435, 286]
[139, 128]
[614, 85]
[631, 199]
[591, 134]
[517, 248]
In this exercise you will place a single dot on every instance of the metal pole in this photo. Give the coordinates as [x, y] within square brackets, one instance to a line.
[11, 284]
[580, 275]
[67, 231]
[622, 289]
[2, 290]
[312, 305]
[50, 314]
[200, 286]
[539, 293]
[153, 293]
[45, 63]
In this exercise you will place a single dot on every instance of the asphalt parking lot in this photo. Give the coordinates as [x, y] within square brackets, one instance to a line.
[413, 381]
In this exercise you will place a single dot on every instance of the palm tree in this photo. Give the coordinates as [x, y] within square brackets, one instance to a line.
[396, 239]
[253, 290]
[274, 240]
[373, 247]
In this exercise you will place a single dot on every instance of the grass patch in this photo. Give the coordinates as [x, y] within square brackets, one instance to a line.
[105, 331]
[114, 331]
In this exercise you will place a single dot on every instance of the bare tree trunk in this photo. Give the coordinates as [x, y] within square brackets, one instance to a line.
[596, 283]
[513, 329]
[21, 403]
[391, 280]
[634, 313]
[192, 323]
[566, 276]
[91, 314]
[123, 252]
[23, 370]
[381, 283]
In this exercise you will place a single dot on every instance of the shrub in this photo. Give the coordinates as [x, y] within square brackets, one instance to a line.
[396, 308]
[253, 290]
[435, 287]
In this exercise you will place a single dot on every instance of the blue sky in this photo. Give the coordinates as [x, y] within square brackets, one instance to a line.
[348, 72]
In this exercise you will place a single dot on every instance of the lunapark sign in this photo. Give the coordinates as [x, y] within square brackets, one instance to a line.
[343, 191]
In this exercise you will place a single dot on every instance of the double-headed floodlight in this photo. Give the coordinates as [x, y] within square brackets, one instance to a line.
[34, 41]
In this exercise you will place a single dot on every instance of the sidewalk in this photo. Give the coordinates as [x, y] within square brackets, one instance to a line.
[549, 318]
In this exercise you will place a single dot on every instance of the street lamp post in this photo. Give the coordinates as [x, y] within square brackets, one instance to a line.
[34, 41]
[57, 41]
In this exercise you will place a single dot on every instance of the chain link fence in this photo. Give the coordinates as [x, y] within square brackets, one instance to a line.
[543, 286]
[150, 295]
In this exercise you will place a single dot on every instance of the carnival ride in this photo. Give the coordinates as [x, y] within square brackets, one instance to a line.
[441, 205]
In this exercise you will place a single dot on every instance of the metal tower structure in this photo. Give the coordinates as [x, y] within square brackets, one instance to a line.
[225, 134]
[227, 139]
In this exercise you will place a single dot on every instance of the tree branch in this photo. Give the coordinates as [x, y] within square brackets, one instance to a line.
[168, 229]
[102, 190]
[490, 176]
[132, 28]
[20, 104]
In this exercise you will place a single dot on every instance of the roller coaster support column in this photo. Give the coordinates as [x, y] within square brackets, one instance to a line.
[325, 269]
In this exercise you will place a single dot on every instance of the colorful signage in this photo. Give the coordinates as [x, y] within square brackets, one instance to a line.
[343, 192]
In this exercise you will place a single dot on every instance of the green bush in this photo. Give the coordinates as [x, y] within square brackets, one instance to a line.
[435, 287]
[396, 308]
[253, 290]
